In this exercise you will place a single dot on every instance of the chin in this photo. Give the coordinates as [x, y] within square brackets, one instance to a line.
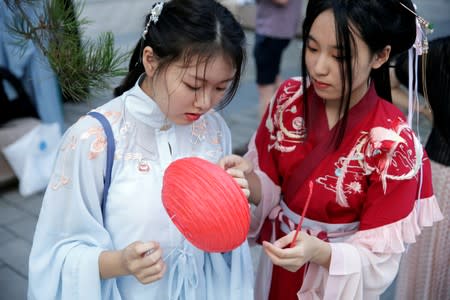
[182, 122]
[327, 96]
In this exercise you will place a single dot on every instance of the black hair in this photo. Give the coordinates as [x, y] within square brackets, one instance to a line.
[188, 28]
[379, 23]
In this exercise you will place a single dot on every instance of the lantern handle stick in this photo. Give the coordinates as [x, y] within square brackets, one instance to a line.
[299, 226]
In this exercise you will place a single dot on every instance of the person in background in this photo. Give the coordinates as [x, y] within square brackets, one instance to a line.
[188, 61]
[26, 62]
[424, 272]
[276, 24]
[338, 179]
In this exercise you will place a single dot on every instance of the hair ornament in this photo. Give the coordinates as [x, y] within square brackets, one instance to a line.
[423, 29]
[424, 23]
[154, 16]
[421, 46]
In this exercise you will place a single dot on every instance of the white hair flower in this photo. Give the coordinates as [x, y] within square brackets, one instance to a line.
[156, 11]
[154, 16]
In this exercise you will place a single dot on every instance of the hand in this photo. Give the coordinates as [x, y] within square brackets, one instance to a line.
[238, 167]
[236, 162]
[307, 249]
[144, 261]
[239, 177]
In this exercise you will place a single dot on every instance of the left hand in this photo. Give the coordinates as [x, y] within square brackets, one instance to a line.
[307, 249]
[237, 167]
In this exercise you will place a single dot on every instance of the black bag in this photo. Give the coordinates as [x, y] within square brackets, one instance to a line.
[19, 107]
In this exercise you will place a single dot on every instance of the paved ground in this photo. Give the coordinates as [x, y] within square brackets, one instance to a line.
[18, 215]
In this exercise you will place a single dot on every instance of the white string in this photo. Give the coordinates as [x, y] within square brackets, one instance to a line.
[410, 85]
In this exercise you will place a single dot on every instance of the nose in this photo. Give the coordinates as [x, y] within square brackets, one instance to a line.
[321, 65]
[203, 100]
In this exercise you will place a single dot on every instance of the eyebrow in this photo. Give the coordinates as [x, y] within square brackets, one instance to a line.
[203, 80]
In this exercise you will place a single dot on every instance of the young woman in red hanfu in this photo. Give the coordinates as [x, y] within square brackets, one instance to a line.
[334, 150]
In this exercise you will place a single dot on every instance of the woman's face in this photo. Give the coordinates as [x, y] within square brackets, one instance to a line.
[323, 59]
[184, 94]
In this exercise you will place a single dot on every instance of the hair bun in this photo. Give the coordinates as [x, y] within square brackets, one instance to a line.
[404, 29]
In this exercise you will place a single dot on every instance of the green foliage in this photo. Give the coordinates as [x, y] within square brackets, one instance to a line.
[55, 27]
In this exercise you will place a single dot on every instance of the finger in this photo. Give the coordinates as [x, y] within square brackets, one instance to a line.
[290, 261]
[280, 252]
[228, 161]
[286, 240]
[243, 183]
[149, 252]
[236, 173]
[145, 249]
[291, 264]
[154, 273]
[153, 258]
[276, 260]
[246, 193]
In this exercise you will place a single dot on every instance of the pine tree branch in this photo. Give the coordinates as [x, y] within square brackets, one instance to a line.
[55, 29]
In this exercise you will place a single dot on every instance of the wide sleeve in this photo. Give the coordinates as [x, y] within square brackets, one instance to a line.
[399, 202]
[265, 149]
[270, 193]
[225, 135]
[69, 235]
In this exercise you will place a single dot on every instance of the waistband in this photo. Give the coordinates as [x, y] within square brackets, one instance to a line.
[330, 232]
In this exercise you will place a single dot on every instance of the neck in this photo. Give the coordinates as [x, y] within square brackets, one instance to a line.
[332, 107]
[145, 85]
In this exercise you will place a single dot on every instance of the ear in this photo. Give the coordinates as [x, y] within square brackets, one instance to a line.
[381, 57]
[150, 61]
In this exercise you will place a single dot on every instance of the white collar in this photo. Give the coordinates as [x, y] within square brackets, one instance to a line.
[144, 108]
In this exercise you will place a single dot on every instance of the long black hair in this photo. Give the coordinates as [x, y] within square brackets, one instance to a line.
[379, 23]
[188, 28]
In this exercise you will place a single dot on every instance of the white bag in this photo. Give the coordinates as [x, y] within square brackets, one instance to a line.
[32, 157]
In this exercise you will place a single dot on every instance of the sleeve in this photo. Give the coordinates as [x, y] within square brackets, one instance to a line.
[226, 136]
[70, 236]
[400, 201]
[263, 153]
[270, 194]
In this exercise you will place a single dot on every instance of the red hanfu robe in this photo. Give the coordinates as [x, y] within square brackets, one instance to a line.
[365, 191]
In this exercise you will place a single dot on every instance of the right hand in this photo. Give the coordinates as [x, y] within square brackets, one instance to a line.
[144, 261]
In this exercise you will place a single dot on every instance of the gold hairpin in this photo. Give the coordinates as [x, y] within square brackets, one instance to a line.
[424, 23]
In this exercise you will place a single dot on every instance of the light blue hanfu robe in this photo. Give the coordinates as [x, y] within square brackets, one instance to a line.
[70, 234]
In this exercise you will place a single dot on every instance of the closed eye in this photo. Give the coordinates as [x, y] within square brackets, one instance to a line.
[191, 87]
[312, 49]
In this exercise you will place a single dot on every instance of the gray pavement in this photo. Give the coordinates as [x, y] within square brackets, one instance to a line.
[18, 215]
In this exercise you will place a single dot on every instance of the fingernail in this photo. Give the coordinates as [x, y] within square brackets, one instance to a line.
[150, 251]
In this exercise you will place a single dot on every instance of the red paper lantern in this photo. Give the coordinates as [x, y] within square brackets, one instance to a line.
[206, 204]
